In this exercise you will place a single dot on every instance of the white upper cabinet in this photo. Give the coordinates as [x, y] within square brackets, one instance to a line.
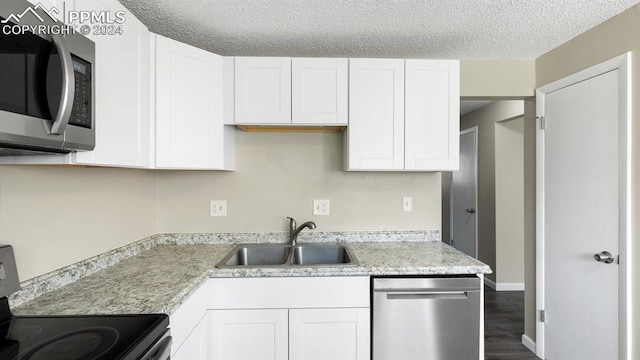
[189, 128]
[319, 90]
[432, 114]
[121, 77]
[158, 102]
[404, 115]
[288, 91]
[376, 114]
[262, 90]
[121, 80]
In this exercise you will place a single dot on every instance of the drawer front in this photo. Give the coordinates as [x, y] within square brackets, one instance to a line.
[284, 293]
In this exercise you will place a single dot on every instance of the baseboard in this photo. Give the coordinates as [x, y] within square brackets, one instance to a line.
[503, 286]
[510, 287]
[530, 344]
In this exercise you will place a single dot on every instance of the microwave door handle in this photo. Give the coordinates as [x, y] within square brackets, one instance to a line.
[68, 87]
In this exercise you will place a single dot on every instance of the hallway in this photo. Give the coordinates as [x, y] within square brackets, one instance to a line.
[504, 326]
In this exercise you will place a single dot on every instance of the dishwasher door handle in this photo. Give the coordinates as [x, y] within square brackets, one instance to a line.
[428, 295]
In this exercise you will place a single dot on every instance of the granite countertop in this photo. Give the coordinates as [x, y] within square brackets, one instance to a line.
[160, 279]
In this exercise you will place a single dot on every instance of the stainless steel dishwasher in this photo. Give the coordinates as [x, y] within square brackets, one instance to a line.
[426, 318]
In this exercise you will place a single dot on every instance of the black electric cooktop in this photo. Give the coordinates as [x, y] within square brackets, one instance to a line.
[95, 337]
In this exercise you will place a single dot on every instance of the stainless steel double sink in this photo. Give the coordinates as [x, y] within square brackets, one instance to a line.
[280, 255]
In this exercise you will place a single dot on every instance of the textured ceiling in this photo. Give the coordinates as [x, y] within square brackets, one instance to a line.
[459, 29]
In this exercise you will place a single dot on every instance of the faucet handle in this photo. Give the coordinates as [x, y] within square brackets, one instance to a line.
[292, 223]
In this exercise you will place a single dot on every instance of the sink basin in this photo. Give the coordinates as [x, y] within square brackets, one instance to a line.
[321, 255]
[281, 255]
[249, 255]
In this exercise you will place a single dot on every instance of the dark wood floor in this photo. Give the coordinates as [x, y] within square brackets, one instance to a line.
[504, 326]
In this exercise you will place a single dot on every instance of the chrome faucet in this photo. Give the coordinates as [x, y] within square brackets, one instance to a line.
[294, 231]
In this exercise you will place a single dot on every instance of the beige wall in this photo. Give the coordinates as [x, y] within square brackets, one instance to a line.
[497, 78]
[485, 118]
[614, 37]
[509, 201]
[279, 175]
[57, 216]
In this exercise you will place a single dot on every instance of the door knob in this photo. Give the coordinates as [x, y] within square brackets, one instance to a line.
[470, 210]
[604, 256]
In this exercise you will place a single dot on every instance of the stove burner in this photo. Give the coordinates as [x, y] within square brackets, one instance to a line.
[84, 344]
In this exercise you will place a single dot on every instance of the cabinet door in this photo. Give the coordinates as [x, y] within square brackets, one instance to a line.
[195, 346]
[262, 90]
[189, 127]
[248, 334]
[121, 75]
[337, 334]
[432, 119]
[185, 319]
[319, 91]
[376, 114]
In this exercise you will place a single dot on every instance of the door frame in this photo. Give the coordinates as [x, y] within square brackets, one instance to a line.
[621, 63]
[474, 130]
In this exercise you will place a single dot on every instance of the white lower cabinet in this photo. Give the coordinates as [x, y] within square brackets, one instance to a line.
[294, 334]
[320, 334]
[188, 326]
[301, 318]
[248, 334]
[195, 346]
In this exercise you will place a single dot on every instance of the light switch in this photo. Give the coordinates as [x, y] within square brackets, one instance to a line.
[406, 204]
[218, 208]
[321, 207]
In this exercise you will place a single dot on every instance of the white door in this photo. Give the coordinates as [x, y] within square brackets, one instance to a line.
[581, 218]
[248, 334]
[321, 334]
[464, 188]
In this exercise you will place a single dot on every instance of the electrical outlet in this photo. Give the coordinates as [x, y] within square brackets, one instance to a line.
[218, 208]
[406, 204]
[321, 207]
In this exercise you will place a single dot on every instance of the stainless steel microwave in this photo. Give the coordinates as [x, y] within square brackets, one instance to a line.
[46, 83]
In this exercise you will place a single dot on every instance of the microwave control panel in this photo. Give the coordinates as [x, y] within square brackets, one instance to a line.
[81, 115]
